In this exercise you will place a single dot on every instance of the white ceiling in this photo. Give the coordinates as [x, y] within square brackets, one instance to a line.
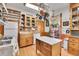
[55, 6]
[21, 7]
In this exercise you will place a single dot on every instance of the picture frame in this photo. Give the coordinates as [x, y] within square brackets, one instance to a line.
[66, 23]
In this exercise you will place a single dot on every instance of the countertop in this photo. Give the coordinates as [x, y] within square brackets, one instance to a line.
[49, 40]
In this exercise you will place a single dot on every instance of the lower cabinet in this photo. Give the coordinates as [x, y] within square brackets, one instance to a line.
[26, 40]
[74, 51]
[47, 49]
[73, 46]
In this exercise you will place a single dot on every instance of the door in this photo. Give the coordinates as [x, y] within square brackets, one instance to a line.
[40, 26]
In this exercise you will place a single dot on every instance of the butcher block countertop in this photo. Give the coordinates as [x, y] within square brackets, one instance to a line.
[49, 40]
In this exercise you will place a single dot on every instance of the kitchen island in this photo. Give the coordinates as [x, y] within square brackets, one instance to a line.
[48, 46]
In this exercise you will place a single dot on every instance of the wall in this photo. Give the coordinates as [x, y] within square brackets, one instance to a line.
[65, 17]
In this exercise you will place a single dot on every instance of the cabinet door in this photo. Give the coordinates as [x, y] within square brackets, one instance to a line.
[40, 25]
[45, 48]
[22, 41]
[29, 40]
[73, 51]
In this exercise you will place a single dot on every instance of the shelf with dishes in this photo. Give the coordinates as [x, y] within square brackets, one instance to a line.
[27, 22]
[75, 18]
[12, 15]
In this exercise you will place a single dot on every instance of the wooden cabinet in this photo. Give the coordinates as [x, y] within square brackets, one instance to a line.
[40, 26]
[22, 23]
[26, 39]
[22, 41]
[47, 49]
[27, 23]
[2, 29]
[73, 45]
[74, 21]
[43, 47]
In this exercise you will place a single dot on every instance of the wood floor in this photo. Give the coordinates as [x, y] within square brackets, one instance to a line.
[31, 51]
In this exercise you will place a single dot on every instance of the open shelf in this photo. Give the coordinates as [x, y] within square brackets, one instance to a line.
[75, 19]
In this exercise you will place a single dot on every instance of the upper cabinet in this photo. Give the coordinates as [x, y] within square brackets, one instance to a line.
[74, 21]
[27, 23]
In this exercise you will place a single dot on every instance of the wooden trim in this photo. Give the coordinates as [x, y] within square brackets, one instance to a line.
[12, 20]
[60, 24]
[70, 19]
[26, 46]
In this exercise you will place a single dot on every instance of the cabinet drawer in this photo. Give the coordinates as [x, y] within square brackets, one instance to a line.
[25, 40]
[22, 42]
[45, 45]
[74, 45]
[45, 51]
[73, 51]
[76, 40]
[29, 41]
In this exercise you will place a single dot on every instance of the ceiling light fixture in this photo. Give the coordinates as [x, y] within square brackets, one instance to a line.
[32, 6]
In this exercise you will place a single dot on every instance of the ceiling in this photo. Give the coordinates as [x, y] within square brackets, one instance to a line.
[55, 6]
[51, 6]
[21, 7]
